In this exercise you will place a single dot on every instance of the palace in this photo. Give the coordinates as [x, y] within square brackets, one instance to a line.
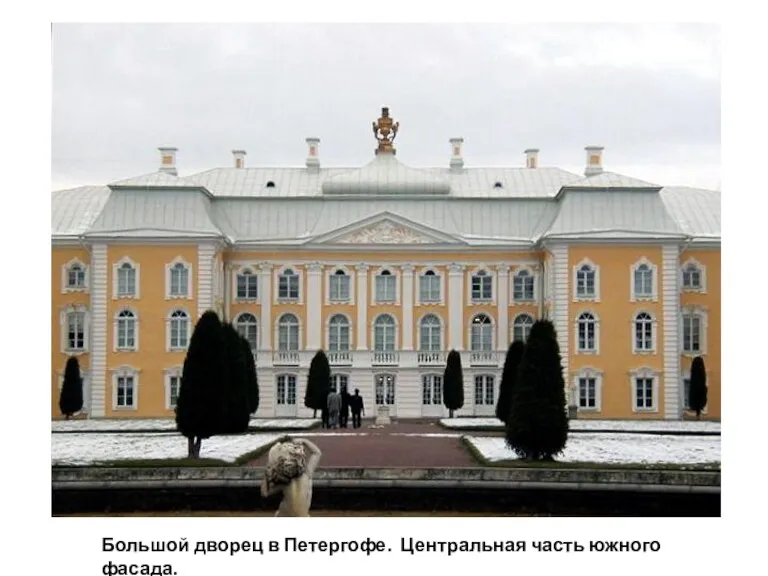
[387, 267]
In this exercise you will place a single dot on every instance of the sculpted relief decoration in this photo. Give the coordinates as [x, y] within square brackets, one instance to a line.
[386, 233]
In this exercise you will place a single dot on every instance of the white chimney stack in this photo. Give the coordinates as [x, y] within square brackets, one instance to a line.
[168, 160]
[239, 157]
[313, 153]
[532, 158]
[594, 160]
[457, 161]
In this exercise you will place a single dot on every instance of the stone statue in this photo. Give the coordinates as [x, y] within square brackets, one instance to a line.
[385, 130]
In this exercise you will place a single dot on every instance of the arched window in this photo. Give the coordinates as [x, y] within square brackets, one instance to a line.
[429, 287]
[247, 285]
[482, 286]
[126, 329]
[482, 333]
[384, 333]
[643, 332]
[126, 280]
[587, 332]
[179, 280]
[692, 277]
[585, 281]
[643, 281]
[386, 287]
[338, 333]
[339, 286]
[521, 327]
[524, 286]
[430, 333]
[248, 328]
[288, 332]
[76, 276]
[288, 287]
[179, 329]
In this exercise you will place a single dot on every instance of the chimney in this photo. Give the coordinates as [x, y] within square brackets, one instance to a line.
[313, 154]
[168, 160]
[532, 158]
[457, 161]
[239, 157]
[594, 160]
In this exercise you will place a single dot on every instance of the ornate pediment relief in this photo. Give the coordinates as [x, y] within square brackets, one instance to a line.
[386, 232]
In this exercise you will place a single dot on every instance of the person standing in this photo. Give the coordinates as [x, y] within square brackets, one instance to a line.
[356, 404]
[344, 413]
[334, 407]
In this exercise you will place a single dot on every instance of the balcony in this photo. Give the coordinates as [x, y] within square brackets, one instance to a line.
[385, 358]
[431, 358]
[340, 357]
[285, 358]
[483, 358]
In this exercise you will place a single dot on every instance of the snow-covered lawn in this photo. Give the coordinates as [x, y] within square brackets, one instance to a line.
[617, 425]
[618, 449]
[168, 424]
[84, 449]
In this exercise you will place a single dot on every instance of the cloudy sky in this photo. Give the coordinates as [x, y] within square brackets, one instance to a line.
[650, 94]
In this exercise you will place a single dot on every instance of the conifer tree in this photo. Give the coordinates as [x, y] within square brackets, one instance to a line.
[453, 383]
[235, 390]
[318, 382]
[697, 393]
[508, 377]
[252, 377]
[71, 395]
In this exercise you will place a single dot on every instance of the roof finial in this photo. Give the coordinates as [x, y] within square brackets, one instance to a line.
[385, 130]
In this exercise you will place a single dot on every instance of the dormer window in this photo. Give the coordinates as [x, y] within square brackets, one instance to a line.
[498, 185]
[270, 184]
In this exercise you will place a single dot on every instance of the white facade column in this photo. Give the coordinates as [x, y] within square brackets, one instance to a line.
[670, 294]
[561, 282]
[407, 276]
[362, 306]
[206, 256]
[502, 298]
[314, 302]
[97, 401]
[265, 298]
[456, 306]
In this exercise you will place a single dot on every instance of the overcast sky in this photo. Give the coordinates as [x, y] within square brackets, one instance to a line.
[650, 94]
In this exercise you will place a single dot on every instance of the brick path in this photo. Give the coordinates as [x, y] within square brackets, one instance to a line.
[388, 447]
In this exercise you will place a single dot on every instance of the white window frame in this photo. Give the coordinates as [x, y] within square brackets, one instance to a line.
[384, 396]
[168, 330]
[64, 320]
[654, 296]
[588, 372]
[470, 299]
[116, 331]
[492, 318]
[654, 334]
[172, 372]
[534, 279]
[239, 319]
[65, 268]
[236, 273]
[168, 282]
[115, 267]
[338, 376]
[596, 272]
[591, 352]
[299, 333]
[351, 339]
[397, 275]
[299, 273]
[645, 372]
[703, 315]
[349, 274]
[440, 283]
[430, 376]
[373, 333]
[702, 277]
[514, 324]
[125, 371]
[287, 375]
[441, 331]
[495, 392]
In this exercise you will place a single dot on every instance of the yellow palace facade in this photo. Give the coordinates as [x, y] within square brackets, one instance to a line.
[387, 267]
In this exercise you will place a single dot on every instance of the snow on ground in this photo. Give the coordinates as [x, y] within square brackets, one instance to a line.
[83, 449]
[617, 425]
[166, 424]
[618, 449]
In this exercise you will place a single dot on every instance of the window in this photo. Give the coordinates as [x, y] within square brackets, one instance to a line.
[126, 330]
[523, 289]
[286, 390]
[248, 328]
[338, 333]
[173, 388]
[687, 393]
[339, 286]
[75, 330]
[125, 389]
[247, 285]
[429, 287]
[588, 393]
[484, 390]
[385, 389]
[521, 327]
[643, 281]
[431, 389]
[384, 333]
[386, 285]
[481, 338]
[179, 330]
[482, 286]
[76, 276]
[691, 277]
[126, 280]
[339, 382]
[586, 333]
[643, 333]
[288, 332]
[586, 282]
[429, 331]
[178, 285]
[692, 328]
[288, 285]
[644, 397]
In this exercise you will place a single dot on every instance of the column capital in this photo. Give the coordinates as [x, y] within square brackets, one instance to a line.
[362, 267]
[407, 268]
[314, 267]
[265, 266]
[455, 268]
[503, 268]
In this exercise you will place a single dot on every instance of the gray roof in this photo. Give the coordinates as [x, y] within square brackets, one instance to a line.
[696, 210]
[75, 209]
[611, 180]
[159, 179]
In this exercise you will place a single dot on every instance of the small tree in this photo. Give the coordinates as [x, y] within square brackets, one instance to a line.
[252, 378]
[453, 383]
[537, 427]
[235, 390]
[508, 377]
[71, 396]
[697, 391]
[199, 407]
[318, 382]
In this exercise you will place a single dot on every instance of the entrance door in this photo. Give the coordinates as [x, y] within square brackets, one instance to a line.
[432, 396]
[339, 382]
[385, 391]
[485, 395]
[285, 396]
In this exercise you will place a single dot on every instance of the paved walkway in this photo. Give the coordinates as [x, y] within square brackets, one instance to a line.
[400, 445]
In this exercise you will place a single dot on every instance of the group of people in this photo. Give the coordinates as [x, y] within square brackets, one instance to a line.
[338, 407]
